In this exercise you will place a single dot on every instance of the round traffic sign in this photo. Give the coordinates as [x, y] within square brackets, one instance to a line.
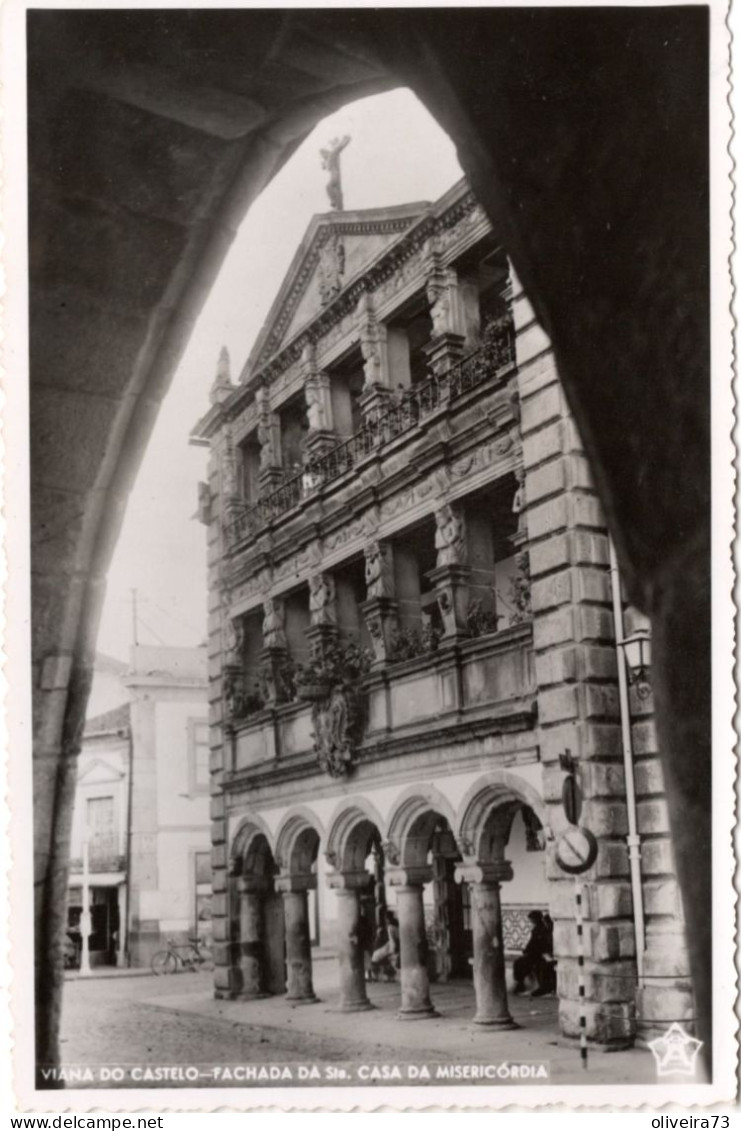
[576, 850]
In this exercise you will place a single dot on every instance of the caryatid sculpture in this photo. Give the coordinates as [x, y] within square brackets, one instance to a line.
[273, 624]
[450, 536]
[331, 162]
[379, 574]
[233, 641]
[322, 599]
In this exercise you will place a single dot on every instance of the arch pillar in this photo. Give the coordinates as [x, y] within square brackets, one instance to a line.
[251, 938]
[415, 979]
[489, 970]
[347, 886]
[299, 967]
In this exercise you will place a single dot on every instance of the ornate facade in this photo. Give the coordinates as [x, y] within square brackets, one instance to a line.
[411, 625]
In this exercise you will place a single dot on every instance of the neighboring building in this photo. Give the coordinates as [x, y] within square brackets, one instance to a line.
[142, 808]
[397, 473]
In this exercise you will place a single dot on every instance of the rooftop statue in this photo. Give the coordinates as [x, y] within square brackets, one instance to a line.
[331, 162]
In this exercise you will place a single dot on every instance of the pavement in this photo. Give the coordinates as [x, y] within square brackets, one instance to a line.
[174, 1021]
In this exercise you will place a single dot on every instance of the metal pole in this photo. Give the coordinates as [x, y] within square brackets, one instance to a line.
[633, 839]
[580, 965]
[134, 617]
[85, 923]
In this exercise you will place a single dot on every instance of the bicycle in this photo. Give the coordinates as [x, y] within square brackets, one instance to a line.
[179, 957]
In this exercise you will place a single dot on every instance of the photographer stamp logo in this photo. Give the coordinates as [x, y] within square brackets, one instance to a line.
[676, 1052]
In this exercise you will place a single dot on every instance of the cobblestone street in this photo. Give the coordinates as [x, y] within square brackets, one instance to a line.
[171, 1022]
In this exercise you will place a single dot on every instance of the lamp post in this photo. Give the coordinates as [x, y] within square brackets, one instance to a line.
[637, 651]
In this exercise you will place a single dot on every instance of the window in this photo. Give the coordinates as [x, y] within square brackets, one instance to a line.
[203, 868]
[198, 756]
[297, 621]
[346, 386]
[294, 424]
[249, 467]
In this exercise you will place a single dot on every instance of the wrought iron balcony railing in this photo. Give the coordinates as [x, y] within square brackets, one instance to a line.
[403, 412]
[103, 855]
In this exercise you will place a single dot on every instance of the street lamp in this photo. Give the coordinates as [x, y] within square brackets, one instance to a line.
[637, 652]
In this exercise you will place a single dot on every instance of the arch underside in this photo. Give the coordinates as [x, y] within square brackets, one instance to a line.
[125, 242]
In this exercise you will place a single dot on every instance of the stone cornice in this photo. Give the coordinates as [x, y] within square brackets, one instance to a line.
[511, 717]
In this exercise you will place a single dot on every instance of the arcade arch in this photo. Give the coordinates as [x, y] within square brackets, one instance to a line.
[257, 923]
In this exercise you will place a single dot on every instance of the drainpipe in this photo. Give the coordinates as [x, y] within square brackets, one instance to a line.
[634, 841]
[127, 925]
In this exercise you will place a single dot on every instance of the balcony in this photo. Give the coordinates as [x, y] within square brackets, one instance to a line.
[484, 685]
[491, 363]
[104, 855]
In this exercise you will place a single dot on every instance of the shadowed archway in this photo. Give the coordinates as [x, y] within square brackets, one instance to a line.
[186, 117]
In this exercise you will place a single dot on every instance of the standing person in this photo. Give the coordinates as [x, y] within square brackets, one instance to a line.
[386, 954]
[531, 962]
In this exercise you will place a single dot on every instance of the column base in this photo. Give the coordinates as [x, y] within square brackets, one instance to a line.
[354, 1007]
[416, 1014]
[302, 1000]
[245, 995]
[495, 1023]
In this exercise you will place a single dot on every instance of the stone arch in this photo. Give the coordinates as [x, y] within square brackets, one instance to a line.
[489, 807]
[413, 822]
[251, 852]
[662, 533]
[297, 841]
[350, 832]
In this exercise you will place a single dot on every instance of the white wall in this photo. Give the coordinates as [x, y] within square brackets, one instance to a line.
[529, 884]
[102, 772]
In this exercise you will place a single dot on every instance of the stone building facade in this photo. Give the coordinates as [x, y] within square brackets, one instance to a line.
[140, 835]
[411, 626]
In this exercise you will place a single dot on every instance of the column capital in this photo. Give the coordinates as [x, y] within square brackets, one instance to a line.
[252, 885]
[485, 873]
[285, 884]
[415, 877]
[346, 882]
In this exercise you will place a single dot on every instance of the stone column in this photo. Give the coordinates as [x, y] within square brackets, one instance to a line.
[376, 395]
[251, 940]
[451, 576]
[380, 610]
[268, 434]
[489, 971]
[295, 892]
[353, 997]
[415, 980]
[274, 653]
[447, 343]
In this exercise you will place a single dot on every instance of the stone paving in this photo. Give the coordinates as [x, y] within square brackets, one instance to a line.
[175, 1021]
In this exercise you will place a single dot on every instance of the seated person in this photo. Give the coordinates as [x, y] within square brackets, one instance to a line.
[536, 960]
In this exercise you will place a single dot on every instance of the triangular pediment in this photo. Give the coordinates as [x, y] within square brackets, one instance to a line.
[336, 249]
[99, 772]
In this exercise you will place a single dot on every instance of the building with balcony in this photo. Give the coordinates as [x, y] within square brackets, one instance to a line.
[412, 643]
[140, 836]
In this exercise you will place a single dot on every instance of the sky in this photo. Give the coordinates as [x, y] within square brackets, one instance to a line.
[398, 154]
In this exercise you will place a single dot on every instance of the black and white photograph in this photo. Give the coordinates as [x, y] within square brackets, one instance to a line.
[380, 611]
